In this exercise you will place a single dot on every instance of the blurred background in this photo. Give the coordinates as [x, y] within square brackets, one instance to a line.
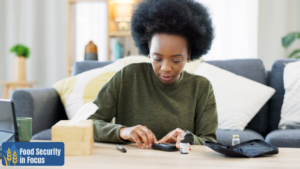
[61, 32]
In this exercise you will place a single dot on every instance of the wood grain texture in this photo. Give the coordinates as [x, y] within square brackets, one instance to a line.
[106, 155]
[78, 138]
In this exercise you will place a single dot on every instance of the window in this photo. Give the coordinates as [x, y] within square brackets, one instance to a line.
[91, 25]
[236, 29]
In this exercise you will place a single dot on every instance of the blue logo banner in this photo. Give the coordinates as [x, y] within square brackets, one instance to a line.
[33, 153]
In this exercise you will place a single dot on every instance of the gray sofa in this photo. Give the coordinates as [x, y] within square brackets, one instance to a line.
[45, 107]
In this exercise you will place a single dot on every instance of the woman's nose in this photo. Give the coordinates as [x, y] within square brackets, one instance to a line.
[166, 66]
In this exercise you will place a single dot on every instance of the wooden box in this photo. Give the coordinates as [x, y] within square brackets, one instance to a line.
[78, 138]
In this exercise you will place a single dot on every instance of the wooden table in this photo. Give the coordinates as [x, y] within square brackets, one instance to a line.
[14, 85]
[106, 155]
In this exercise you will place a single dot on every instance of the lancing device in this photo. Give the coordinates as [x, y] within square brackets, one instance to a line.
[185, 142]
[121, 148]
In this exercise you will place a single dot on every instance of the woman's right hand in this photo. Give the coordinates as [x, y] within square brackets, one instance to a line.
[138, 134]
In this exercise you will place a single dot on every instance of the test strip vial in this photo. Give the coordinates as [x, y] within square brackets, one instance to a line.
[235, 140]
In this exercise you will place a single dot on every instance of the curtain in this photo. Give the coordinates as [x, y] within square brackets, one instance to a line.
[236, 25]
[40, 25]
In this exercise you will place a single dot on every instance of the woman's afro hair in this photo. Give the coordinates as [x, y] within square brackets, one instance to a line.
[186, 18]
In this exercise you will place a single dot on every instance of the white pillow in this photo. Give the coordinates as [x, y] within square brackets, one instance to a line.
[290, 112]
[238, 98]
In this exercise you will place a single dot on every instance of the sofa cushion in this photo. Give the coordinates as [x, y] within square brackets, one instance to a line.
[43, 135]
[225, 136]
[276, 101]
[80, 67]
[284, 138]
[252, 69]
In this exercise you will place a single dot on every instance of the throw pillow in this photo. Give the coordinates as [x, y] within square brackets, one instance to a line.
[78, 90]
[290, 112]
[81, 89]
[238, 99]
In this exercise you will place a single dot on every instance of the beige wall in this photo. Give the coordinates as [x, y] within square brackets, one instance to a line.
[276, 19]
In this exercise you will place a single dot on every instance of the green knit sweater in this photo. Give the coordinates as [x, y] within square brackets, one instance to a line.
[135, 95]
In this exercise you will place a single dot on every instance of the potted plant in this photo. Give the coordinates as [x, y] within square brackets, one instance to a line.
[22, 52]
[288, 40]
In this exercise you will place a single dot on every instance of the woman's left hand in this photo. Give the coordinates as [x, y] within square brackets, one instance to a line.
[174, 136]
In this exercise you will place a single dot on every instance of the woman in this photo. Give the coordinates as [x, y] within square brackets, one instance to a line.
[160, 100]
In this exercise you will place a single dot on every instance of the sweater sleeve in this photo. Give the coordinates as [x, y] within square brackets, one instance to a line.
[206, 120]
[106, 100]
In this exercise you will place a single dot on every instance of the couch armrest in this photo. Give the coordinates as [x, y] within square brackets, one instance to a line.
[42, 104]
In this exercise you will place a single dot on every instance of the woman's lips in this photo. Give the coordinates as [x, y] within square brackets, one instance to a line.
[166, 78]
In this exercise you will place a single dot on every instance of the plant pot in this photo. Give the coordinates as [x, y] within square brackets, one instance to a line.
[20, 68]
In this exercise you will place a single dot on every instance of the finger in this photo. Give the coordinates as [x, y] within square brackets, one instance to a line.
[178, 130]
[190, 147]
[143, 137]
[163, 139]
[137, 140]
[154, 139]
[149, 137]
[173, 138]
[179, 138]
[150, 140]
[169, 137]
[173, 135]
[166, 139]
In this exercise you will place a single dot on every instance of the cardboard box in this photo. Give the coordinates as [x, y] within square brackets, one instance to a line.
[78, 138]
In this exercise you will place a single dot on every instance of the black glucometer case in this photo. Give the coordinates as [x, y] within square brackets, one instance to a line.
[165, 147]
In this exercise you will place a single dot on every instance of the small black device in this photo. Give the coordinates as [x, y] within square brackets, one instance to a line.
[8, 123]
[164, 147]
[188, 132]
[121, 148]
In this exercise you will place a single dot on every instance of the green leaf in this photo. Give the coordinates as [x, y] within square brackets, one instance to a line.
[294, 53]
[289, 39]
[297, 57]
[20, 50]
[13, 49]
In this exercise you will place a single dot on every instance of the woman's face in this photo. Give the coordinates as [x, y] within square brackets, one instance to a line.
[168, 54]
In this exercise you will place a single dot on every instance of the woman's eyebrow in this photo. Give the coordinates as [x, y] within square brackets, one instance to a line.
[171, 55]
[177, 55]
[157, 54]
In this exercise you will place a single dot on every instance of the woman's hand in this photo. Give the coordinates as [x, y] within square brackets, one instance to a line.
[174, 136]
[138, 134]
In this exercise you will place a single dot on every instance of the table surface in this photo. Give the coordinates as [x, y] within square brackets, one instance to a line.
[105, 155]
